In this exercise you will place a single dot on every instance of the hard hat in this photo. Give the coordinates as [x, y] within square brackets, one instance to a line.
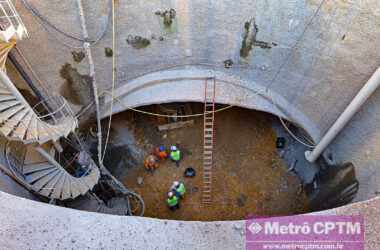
[170, 194]
[161, 148]
[176, 183]
[173, 148]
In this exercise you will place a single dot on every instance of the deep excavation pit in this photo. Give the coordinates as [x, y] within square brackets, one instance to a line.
[249, 176]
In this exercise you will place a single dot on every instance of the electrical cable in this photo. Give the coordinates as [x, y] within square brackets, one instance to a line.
[114, 67]
[46, 23]
[167, 116]
[294, 136]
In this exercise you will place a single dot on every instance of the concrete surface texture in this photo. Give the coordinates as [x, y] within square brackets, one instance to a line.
[317, 61]
[53, 227]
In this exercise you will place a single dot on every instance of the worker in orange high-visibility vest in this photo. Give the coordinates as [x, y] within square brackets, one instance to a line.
[151, 163]
[161, 153]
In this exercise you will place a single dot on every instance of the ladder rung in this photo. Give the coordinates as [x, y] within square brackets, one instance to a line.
[208, 140]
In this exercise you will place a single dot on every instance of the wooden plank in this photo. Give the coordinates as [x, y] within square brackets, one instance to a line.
[175, 125]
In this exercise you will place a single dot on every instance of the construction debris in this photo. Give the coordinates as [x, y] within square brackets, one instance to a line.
[175, 125]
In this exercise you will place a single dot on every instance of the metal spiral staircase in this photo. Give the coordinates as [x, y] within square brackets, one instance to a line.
[51, 119]
[11, 25]
[42, 170]
[33, 132]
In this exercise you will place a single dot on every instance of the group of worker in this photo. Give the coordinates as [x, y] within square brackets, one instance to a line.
[176, 193]
[151, 162]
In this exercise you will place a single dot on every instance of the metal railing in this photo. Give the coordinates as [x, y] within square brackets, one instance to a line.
[10, 17]
[15, 152]
[53, 110]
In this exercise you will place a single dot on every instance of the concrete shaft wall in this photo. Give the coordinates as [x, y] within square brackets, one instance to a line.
[53, 227]
[316, 64]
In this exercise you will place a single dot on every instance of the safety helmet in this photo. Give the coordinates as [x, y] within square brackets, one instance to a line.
[161, 148]
[170, 194]
[176, 183]
[173, 148]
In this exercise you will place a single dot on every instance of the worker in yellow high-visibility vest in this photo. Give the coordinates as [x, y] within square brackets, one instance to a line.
[172, 201]
[175, 155]
[179, 189]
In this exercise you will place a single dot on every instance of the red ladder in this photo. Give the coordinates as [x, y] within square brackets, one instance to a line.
[208, 140]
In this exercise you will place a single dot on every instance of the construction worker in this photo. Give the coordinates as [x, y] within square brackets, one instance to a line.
[172, 201]
[179, 189]
[151, 163]
[175, 155]
[161, 153]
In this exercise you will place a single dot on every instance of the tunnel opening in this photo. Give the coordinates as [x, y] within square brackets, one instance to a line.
[259, 170]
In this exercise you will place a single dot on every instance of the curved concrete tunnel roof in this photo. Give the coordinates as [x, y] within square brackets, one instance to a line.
[186, 84]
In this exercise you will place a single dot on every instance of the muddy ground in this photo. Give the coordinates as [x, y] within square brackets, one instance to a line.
[249, 176]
